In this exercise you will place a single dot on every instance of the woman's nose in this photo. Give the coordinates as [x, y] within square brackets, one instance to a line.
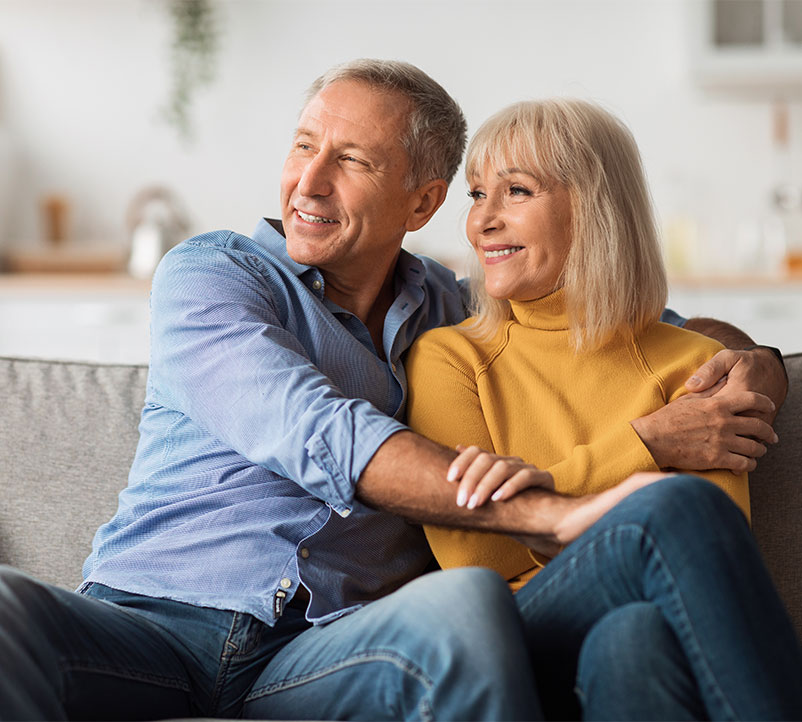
[486, 217]
[315, 178]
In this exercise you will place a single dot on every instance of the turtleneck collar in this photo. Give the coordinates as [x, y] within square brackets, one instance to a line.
[547, 313]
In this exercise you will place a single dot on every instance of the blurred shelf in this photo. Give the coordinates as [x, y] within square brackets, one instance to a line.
[65, 258]
[790, 280]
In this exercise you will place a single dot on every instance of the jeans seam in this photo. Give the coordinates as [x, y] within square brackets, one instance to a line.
[675, 597]
[229, 650]
[684, 620]
[376, 655]
[69, 665]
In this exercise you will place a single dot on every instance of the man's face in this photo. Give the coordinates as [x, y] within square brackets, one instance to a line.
[344, 205]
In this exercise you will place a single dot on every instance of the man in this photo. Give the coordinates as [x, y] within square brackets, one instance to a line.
[252, 568]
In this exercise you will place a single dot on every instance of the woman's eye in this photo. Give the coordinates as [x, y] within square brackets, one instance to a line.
[520, 191]
[475, 195]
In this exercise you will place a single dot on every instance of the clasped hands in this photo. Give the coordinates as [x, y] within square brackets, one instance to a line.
[724, 422]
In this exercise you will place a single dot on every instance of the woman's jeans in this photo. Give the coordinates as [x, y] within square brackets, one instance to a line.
[663, 609]
[667, 611]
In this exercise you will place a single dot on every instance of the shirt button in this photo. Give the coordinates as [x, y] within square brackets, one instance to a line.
[286, 583]
[394, 368]
[316, 284]
[305, 553]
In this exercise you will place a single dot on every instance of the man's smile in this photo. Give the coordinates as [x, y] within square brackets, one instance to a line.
[309, 218]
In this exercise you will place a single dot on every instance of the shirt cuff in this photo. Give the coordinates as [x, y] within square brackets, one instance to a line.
[344, 445]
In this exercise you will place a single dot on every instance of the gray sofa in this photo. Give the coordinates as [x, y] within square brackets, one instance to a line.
[68, 433]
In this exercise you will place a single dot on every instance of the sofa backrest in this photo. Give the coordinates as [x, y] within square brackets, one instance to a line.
[68, 432]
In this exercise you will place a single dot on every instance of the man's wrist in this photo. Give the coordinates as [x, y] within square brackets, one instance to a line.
[775, 351]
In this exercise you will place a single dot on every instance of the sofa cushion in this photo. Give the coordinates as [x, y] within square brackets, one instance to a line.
[68, 432]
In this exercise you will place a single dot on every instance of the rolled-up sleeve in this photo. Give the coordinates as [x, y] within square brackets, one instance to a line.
[222, 356]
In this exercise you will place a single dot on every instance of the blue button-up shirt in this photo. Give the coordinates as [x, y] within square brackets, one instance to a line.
[265, 401]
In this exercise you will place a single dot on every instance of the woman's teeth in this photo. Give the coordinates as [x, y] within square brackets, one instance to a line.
[504, 252]
[314, 219]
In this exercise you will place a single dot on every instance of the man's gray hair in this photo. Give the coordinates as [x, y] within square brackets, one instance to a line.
[435, 137]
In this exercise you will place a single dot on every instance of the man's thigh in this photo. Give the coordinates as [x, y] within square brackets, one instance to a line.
[65, 655]
[446, 646]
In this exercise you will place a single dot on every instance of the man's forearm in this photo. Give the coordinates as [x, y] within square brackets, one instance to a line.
[407, 476]
[725, 333]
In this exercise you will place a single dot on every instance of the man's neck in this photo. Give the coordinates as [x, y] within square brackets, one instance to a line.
[368, 299]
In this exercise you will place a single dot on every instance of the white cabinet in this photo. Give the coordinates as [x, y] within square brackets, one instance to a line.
[751, 46]
[76, 318]
[769, 311]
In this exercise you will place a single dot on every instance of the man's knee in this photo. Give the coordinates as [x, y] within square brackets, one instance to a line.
[18, 589]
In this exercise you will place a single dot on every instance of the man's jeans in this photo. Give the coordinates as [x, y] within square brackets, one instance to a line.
[449, 645]
[663, 610]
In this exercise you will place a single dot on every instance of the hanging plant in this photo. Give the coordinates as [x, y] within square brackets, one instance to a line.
[194, 54]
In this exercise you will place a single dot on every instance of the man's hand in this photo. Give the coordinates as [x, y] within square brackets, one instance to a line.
[709, 430]
[754, 370]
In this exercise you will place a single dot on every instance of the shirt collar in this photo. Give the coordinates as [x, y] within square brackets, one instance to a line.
[269, 233]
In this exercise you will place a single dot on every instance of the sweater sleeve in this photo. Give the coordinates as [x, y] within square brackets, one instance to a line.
[673, 355]
[444, 406]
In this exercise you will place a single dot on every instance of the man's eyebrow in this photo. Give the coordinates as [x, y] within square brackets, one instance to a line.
[304, 131]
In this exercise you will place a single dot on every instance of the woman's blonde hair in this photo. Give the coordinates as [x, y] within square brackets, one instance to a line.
[614, 277]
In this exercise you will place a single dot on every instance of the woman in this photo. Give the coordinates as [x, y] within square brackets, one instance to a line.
[566, 348]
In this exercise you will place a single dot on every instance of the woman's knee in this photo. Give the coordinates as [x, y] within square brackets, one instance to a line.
[632, 666]
[684, 502]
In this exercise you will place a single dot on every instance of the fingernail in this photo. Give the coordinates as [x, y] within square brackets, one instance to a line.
[473, 501]
[693, 381]
[776, 438]
[497, 495]
[453, 473]
[462, 497]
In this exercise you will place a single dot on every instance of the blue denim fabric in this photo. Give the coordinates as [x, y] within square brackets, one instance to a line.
[685, 549]
[264, 403]
[447, 646]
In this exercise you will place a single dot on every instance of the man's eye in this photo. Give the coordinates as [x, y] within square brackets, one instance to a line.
[351, 159]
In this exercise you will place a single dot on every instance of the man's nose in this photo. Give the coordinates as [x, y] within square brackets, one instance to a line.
[316, 177]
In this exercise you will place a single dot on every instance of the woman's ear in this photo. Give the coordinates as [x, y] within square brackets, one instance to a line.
[426, 200]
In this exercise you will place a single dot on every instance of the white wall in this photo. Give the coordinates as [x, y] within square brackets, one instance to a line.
[81, 83]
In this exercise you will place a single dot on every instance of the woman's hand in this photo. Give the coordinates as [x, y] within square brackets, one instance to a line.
[483, 475]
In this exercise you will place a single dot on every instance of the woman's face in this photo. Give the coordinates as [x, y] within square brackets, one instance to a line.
[520, 231]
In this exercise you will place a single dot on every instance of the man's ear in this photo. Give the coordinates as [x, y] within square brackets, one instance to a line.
[427, 199]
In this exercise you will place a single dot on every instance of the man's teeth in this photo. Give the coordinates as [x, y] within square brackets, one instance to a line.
[504, 252]
[314, 219]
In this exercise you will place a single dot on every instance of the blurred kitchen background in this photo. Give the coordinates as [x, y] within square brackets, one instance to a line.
[127, 125]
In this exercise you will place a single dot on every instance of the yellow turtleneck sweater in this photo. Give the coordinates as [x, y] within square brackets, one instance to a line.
[527, 393]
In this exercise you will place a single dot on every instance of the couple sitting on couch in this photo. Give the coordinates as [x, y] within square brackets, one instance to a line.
[261, 564]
